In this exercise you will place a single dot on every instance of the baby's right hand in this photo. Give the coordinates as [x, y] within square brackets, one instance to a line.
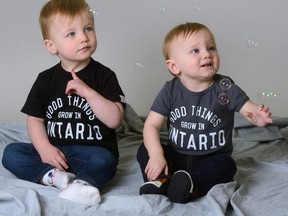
[54, 157]
[155, 166]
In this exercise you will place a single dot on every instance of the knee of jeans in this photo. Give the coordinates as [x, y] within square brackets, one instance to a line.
[8, 154]
[105, 161]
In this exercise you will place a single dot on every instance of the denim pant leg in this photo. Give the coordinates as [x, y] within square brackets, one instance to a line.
[206, 171]
[143, 157]
[212, 170]
[23, 161]
[93, 164]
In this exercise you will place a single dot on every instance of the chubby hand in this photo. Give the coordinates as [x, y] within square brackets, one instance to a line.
[261, 116]
[76, 86]
[54, 157]
[156, 166]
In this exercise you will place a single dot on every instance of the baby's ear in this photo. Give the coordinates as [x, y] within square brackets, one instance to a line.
[172, 67]
[50, 46]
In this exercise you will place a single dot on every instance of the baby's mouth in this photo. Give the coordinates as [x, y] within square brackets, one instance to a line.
[207, 65]
[84, 48]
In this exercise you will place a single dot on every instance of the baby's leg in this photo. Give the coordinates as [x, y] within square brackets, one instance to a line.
[57, 178]
[81, 192]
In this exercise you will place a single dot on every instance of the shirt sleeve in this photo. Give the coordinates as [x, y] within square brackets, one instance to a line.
[35, 102]
[112, 89]
[162, 102]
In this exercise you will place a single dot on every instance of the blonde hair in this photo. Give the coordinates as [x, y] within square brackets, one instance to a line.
[183, 30]
[67, 8]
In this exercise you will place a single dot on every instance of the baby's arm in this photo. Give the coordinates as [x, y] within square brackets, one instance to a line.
[48, 153]
[257, 114]
[109, 112]
[157, 163]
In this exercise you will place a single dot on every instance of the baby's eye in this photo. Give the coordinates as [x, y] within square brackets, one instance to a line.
[212, 48]
[194, 51]
[71, 34]
[89, 29]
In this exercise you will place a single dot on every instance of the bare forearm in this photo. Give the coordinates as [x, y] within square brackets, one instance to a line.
[157, 163]
[37, 133]
[152, 141]
[108, 112]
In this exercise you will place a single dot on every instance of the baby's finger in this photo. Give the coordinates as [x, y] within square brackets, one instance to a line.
[266, 109]
[63, 156]
[68, 91]
[261, 107]
[63, 164]
[74, 76]
[166, 170]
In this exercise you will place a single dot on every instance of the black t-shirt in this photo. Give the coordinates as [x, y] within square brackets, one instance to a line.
[200, 123]
[70, 119]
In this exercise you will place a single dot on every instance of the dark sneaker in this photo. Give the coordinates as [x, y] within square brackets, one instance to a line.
[181, 187]
[158, 186]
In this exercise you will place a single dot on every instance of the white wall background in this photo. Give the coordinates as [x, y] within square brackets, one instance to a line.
[130, 35]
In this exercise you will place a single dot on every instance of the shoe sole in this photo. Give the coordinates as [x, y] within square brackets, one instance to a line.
[181, 187]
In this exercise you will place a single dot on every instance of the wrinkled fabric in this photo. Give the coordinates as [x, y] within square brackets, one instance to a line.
[260, 186]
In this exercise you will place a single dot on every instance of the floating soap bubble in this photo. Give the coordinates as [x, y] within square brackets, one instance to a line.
[251, 42]
[196, 7]
[223, 98]
[162, 9]
[139, 65]
[93, 12]
[268, 95]
[225, 84]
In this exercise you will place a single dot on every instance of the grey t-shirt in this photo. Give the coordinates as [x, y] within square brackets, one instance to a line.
[200, 123]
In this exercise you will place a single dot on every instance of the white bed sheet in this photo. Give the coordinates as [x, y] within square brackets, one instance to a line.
[260, 186]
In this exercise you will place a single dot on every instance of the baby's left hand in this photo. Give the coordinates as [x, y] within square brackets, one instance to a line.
[261, 116]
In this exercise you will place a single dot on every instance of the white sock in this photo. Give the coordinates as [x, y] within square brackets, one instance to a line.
[58, 178]
[81, 192]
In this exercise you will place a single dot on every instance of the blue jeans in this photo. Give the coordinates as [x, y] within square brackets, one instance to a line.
[93, 164]
[205, 171]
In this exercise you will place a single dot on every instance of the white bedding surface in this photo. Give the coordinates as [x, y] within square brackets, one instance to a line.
[260, 186]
